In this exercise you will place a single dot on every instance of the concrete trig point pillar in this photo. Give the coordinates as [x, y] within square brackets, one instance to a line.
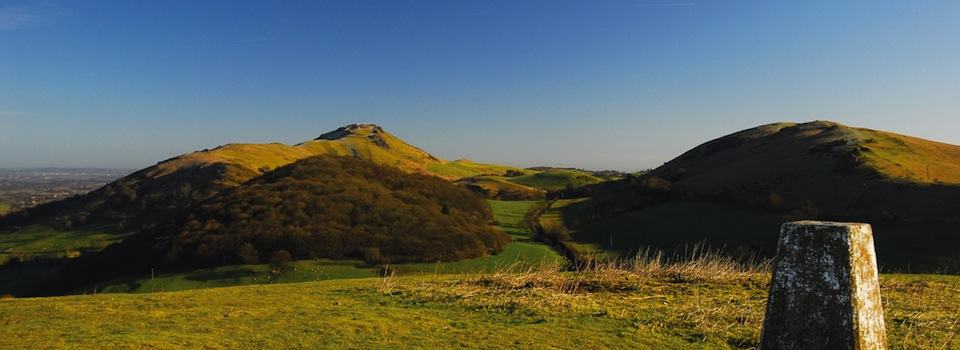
[825, 292]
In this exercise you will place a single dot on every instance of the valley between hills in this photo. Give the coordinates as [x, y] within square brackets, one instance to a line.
[360, 239]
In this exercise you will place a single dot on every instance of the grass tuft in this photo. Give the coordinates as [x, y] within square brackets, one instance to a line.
[616, 274]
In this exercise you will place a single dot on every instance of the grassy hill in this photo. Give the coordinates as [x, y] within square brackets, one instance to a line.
[329, 207]
[679, 307]
[532, 183]
[462, 168]
[363, 141]
[161, 192]
[158, 192]
[733, 191]
[152, 197]
[837, 170]
[556, 179]
[498, 187]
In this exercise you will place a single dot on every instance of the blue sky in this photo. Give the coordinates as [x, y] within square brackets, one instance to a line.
[596, 84]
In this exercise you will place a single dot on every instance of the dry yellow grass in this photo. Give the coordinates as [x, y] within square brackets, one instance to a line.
[646, 303]
[709, 300]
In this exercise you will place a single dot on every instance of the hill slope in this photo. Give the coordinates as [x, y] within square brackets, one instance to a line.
[556, 179]
[838, 171]
[156, 193]
[533, 183]
[335, 207]
[734, 191]
[319, 207]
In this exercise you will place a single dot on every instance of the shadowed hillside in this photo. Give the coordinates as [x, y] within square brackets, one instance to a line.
[734, 191]
[336, 207]
[834, 169]
[319, 207]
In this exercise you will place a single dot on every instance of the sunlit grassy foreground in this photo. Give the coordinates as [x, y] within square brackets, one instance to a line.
[644, 304]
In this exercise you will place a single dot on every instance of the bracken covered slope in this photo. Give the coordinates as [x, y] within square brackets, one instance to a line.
[326, 207]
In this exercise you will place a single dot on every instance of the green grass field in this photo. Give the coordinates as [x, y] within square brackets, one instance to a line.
[4, 208]
[555, 179]
[532, 184]
[666, 226]
[538, 310]
[519, 254]
[236, 275]
[510, 215]
[465, 168]
[557, 216]
[41, 241]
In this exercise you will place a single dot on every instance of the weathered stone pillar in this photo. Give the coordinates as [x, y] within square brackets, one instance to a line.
[825, 292]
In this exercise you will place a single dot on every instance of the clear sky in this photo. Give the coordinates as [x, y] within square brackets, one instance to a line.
[596, 84]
